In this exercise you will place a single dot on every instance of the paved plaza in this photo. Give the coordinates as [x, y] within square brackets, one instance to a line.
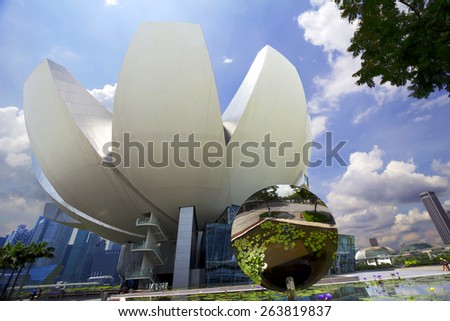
[404, 273]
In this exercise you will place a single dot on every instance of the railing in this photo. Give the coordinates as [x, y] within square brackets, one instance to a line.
[144, 246]
[153, 250]
[137, 273]
[152, 221]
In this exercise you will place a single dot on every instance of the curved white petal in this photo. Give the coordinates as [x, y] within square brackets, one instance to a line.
[166, 87]
[270, 101]
[61, 120]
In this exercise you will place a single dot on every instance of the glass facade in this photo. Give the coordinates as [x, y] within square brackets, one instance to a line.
[345, 256]
[44, 274]
[220, 264]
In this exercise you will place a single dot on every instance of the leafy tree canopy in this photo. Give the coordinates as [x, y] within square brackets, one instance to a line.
[403, 42]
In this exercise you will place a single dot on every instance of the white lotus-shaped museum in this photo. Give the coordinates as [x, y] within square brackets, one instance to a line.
[166, 87]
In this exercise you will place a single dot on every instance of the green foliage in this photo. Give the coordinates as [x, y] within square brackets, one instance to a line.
[412, 262]
[318, 217]
[251, 249]
[418, 259]
[250, 255]
[267, 194]
[402, 46]
[15, 258]
[12, 257]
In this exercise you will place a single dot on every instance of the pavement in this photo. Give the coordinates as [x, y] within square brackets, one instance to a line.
[404, 273]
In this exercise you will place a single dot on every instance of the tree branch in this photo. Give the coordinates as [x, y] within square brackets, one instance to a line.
[411, 8]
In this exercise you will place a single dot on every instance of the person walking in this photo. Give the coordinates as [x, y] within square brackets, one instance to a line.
[444, 263]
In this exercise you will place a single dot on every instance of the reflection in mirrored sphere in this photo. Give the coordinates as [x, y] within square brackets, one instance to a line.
[284, 231]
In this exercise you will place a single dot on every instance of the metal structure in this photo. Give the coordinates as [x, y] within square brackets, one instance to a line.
[105, 169]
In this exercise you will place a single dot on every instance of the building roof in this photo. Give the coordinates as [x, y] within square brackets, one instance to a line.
[165, 92]
[373, 252]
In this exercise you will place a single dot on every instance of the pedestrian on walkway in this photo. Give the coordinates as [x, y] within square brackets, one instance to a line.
[444, 263]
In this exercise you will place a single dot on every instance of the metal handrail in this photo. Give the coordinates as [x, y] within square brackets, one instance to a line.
[151, 220]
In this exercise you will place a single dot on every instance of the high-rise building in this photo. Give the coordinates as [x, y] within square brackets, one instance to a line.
[21, 234]
[373, 241]
[437, 214]
[54, 233]
[3, 240]
[105, 263]
[79, 261]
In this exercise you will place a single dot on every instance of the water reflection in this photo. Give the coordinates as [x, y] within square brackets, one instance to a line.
[284, 231]
[419, 289]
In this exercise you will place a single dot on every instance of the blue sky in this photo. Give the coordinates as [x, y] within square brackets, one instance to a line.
[396, 146]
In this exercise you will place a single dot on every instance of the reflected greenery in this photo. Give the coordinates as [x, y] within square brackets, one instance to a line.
[277, 235]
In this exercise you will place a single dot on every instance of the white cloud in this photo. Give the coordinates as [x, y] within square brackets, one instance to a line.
[446, 205]
[18, 159]
[366, 198]
[390, 227]
[105, 95]
[318, 126]
[440, 168]
[365, 114]
[17, 210]
[421, 108]
[112, 3]
[324, 27]
[431, 103]
[318, 3]
[415, 226]
[13, 135]
[419, 119]
[336, 85]
[227, 60]
[21, 197]
[403, 222]
[61, 54]
[365, 183]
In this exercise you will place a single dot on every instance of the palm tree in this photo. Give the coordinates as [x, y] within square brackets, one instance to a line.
[14, 256]
[40, 250]
[5, 259]
[24, 255]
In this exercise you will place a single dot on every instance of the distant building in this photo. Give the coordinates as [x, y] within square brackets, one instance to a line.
[21, 234]
[438, 215]
[79, 261]
[345, 256]
[375, 255]
[55, 234]
[3, 240]
[374, 242]
[104, 264]
[415, 247]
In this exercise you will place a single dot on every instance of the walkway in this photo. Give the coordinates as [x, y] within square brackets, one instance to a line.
[337, 279]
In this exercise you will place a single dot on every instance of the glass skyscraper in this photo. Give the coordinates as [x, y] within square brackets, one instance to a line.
[221, 267]
[438, 215]
[55, 234]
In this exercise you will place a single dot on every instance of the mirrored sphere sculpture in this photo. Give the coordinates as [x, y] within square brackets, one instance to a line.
[282, 232]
